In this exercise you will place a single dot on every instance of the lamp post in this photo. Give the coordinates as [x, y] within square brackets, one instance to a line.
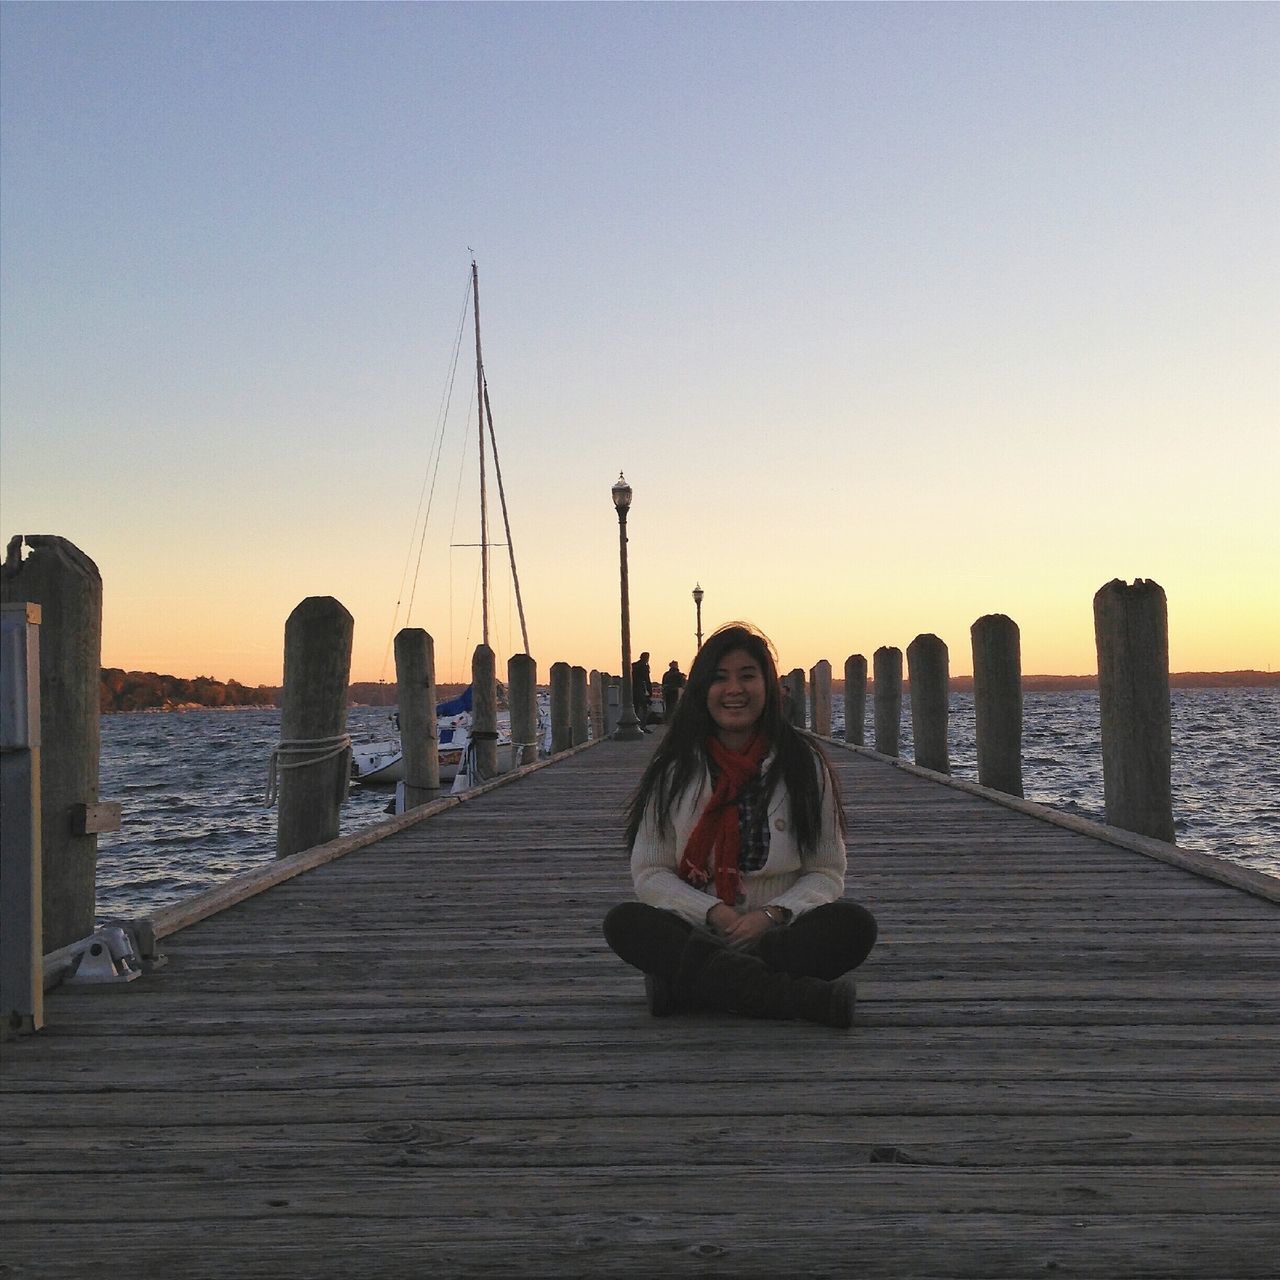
[697, 600]
[628, 726]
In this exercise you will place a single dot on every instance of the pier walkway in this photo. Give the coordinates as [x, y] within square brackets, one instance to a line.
[421, 1060]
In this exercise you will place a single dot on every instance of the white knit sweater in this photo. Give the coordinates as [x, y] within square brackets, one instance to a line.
[787, 878]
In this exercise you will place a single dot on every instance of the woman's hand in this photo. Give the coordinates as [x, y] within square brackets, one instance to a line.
[721, 919]
[744, 928]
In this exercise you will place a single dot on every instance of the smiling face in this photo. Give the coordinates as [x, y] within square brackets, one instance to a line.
[735, 700]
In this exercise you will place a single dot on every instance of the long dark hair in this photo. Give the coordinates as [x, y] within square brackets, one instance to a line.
[682, 754]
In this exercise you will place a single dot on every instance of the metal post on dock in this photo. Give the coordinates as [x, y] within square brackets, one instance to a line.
[314, 755]
[578, 718]
[886, 667]
[21, 927]
[522, 694]
[484, 710]
[1131, 627]
[997, 702]
[855, 698]
[929, 671]
[820, 698]
[65, 583]
[416, 693]
[561, 707]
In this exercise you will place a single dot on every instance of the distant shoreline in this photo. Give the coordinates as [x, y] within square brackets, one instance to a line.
[124, 691]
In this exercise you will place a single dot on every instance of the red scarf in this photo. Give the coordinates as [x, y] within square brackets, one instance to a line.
[718, 827]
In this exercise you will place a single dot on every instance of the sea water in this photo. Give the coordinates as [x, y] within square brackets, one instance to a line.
[192, 783]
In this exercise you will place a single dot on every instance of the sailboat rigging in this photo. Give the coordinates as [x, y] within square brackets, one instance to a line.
[484, 413]
[382, 762]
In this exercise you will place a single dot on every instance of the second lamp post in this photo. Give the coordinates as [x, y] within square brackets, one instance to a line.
[628, 726]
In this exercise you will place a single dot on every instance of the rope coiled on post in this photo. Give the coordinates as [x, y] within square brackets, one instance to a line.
[298, 753]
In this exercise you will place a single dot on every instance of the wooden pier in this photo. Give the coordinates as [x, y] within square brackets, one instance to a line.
[421, 1060]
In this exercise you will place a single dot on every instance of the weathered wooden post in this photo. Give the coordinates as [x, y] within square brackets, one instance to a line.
[886, 667]
[314, 756]
[855, 698]
[484, 710]
[21, 908]
[416, 692]
[561, 707]
[930, 674]
[578, 719]
[820, 698]
[65, 583]
[1131, 626]
[793, 705]
[612, 704]
[597, 704]
[522, 694]
[997, 702]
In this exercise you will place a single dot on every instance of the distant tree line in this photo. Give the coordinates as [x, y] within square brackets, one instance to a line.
[1177, 680]
[147, 691]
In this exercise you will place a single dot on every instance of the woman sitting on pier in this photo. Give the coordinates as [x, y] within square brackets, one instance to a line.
[737, 850]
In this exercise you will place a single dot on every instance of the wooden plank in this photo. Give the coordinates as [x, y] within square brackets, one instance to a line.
[963, 1142]
[494, 1238]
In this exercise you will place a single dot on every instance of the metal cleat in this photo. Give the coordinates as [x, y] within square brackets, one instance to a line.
[108, 956]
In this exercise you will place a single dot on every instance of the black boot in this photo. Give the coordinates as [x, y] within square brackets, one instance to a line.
[738, 982]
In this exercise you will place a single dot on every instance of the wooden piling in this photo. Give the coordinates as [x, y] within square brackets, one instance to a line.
[596, 703]
[1131, 627]
[484, 710]
[578, 716]
[65, 583]
[820, 698]
[997, 702]
[930, 675]
[522, 695]
[855, 699]
[313, 760]
[416, 693]
[613, 694]
[561, 707]
[886, 667]
[793, 696]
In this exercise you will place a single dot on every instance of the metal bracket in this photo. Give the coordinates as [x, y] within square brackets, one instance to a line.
[108, 956]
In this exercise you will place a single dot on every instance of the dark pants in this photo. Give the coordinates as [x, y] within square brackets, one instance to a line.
[823, 943]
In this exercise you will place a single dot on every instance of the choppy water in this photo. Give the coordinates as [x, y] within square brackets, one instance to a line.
[192, 783]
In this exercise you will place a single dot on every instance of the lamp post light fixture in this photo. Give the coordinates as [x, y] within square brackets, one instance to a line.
[628, 725]
[697, 600]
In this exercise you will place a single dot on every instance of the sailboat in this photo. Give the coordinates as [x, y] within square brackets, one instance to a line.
[382, 762]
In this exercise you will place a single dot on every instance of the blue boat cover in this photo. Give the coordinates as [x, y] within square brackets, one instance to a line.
[455, 706]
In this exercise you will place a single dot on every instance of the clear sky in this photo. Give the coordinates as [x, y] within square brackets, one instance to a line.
[893, 315]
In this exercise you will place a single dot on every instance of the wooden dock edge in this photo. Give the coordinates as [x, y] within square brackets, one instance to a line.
[1201, 864]
[247, 884]
[167, 920]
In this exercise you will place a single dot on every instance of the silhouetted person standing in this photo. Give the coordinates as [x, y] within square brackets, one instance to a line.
[672, 683]
[640, 682]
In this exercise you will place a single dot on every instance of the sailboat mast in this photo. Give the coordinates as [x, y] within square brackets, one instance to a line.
[484, 500]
